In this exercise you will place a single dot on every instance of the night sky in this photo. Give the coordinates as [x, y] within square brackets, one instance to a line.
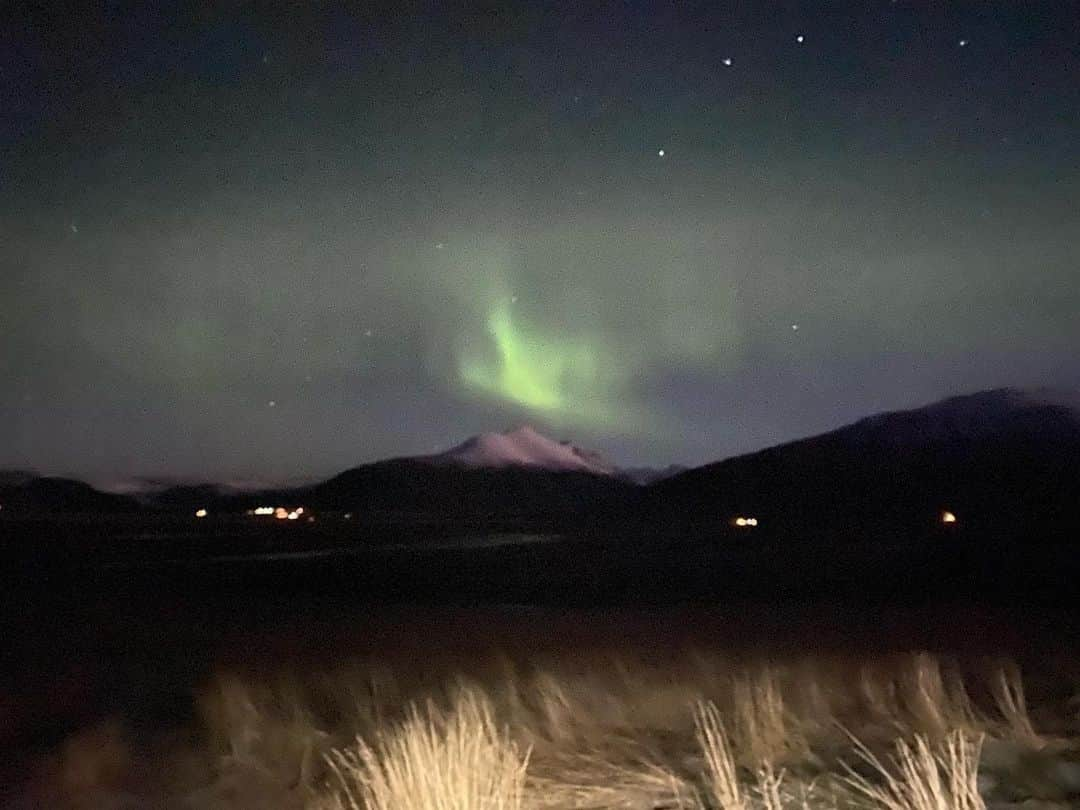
[239, 244]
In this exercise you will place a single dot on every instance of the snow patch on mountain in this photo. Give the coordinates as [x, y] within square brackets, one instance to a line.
[523, 447]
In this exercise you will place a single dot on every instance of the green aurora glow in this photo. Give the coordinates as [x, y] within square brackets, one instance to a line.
[566, 380]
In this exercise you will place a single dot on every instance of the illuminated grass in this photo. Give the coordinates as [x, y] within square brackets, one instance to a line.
[693, 733]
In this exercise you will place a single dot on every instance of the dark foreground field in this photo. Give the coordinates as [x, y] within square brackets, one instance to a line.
[205, 667]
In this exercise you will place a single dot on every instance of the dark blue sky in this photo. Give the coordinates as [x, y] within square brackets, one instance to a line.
[239, 242]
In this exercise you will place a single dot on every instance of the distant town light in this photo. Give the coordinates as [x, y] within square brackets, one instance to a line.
[201, 513]
[299, 510]
[294, 515]
[745, 522]
[281, 513]
[264, 510]
[948, 517]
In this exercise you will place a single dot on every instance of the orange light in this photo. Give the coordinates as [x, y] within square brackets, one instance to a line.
[281, 513]
[745, 522]
[948, 517]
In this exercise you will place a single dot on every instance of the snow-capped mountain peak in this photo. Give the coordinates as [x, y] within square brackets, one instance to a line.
[523, 447]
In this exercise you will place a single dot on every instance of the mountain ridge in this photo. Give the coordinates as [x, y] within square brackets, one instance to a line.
[1004, 460]
[999, 455]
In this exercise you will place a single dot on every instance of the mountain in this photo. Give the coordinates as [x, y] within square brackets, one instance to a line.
[523, 447]
[1003, 461]
[24, 493]
[514, 475]
[1042, 415]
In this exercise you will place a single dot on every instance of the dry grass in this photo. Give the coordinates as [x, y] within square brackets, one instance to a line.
[1008, 691]
[692, 732]
[593, 783]
[698, 732]
[722, 784]
[457, 760]
[922, 778]
[724, 788]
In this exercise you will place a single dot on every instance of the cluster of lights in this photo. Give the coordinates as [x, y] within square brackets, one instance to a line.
[278, 512]
[745, 522]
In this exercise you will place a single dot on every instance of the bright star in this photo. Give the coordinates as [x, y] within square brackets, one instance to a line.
[660, 152]
[272, 404]
[799, 38]
[963, 43]
[727, 62]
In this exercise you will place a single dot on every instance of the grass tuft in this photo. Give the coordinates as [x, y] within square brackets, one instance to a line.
[922, 777]
[456, 760]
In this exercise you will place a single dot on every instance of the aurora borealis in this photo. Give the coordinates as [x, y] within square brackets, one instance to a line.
[239, 243]
[530, 370]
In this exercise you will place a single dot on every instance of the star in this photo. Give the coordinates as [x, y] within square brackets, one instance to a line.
[794, 327]
[367, 333]
[74, 228]
[513, 299]
[272, 404]
[800, 38]
[726, 61]
[439, 245]
[963, 43]
[660, 152]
